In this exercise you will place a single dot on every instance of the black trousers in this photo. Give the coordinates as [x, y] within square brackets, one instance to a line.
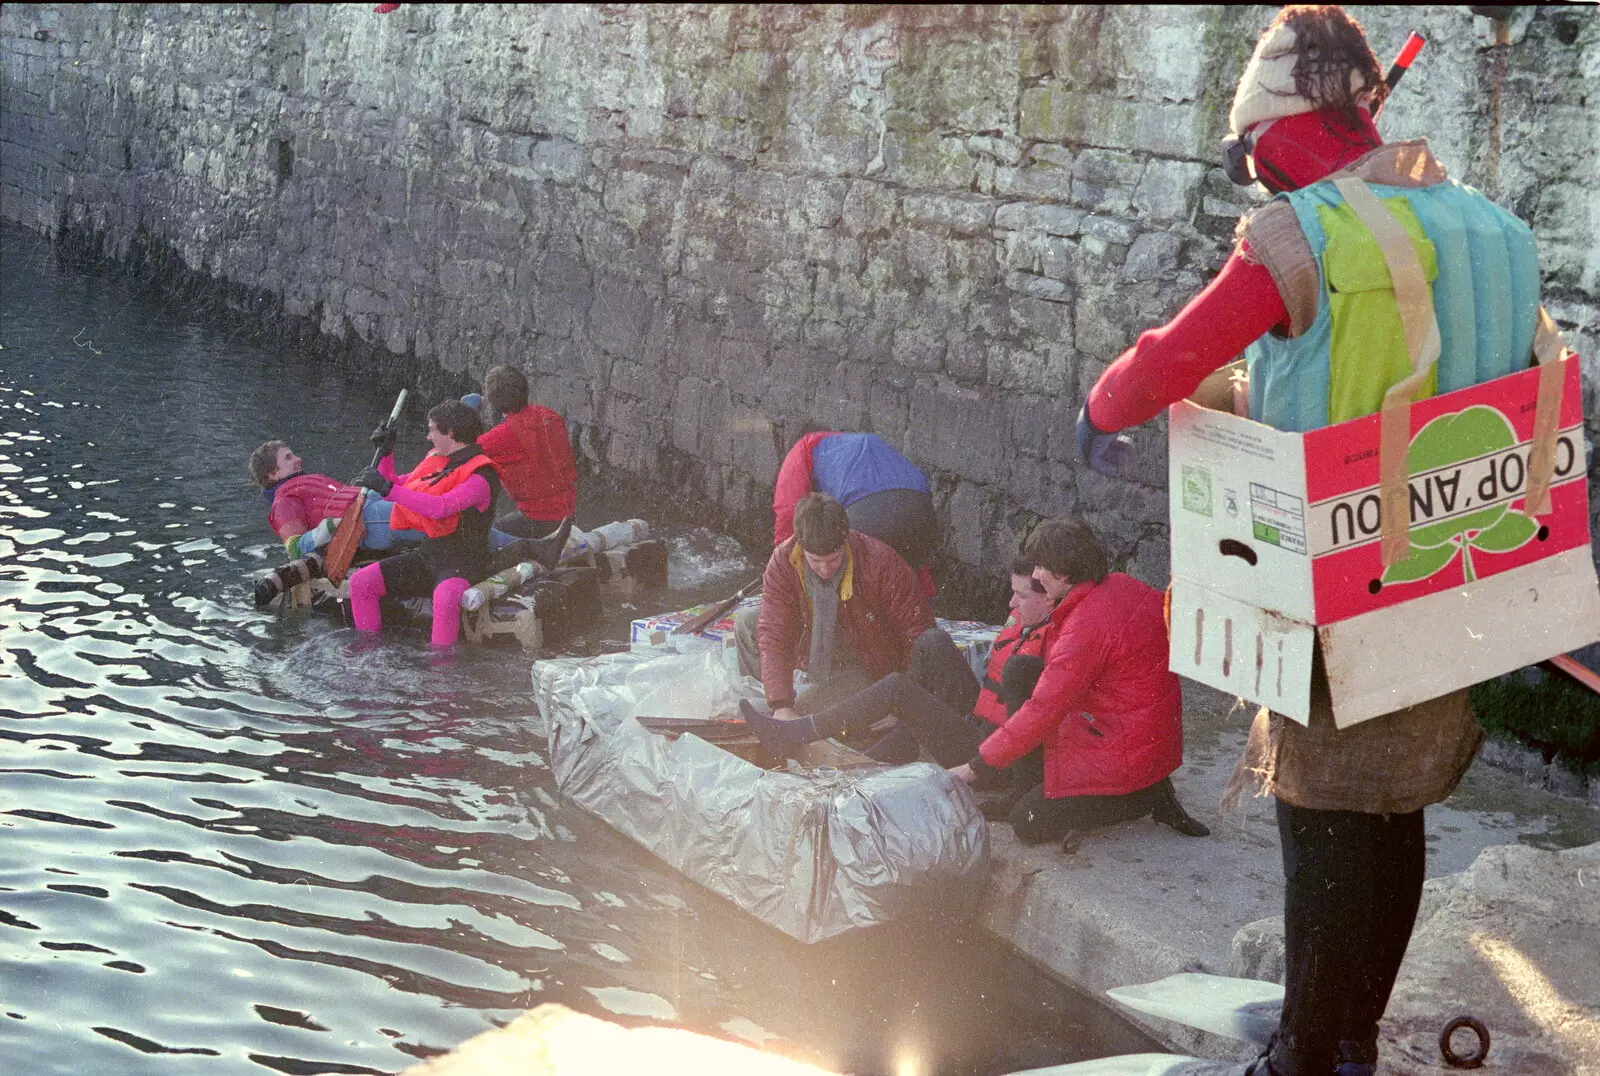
[1036, 818]
[1352, 883]
[520, 526]
[902, 518]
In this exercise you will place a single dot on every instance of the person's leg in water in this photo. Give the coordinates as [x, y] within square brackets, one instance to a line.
[1352, 884]
[403, 575]
[366, 587]
[447, 610]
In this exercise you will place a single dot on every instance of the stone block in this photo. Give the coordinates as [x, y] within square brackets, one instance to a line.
[1153, 255]
[965, 356]
[961, 215]
[888, 409]
[868, 208]
[918, 349]
[958, 429]
[1168, 190]
[1029, 423]
[1033, 318]
[1257, 951]
[1045, 173]
[1038, 287]
[1104, 180]
[840, 398]
[619, 316]
[930, 161]
[1032, 217]
[970, 511]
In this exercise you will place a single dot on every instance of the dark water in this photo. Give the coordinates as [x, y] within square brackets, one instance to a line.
[232, 841]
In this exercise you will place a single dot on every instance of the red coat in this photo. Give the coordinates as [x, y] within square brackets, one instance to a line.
[1106, 709]
[1011, 641]
[882, 611]
[533, 454]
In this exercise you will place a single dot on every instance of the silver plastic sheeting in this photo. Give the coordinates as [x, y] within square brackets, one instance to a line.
[814, 853]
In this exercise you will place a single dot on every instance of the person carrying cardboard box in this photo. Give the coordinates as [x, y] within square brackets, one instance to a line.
[1369, 264]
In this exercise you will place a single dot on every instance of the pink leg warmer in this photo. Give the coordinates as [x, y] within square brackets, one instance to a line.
[366, 587]
[447, 610]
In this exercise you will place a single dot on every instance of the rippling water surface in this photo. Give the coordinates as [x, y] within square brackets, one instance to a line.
[237, 841]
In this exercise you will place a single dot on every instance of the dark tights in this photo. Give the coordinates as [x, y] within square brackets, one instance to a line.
[1352, 883]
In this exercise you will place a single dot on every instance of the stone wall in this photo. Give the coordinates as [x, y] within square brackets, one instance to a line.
[699, 227]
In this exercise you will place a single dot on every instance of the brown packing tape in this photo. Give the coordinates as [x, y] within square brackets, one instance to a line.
[1550, 351]
[1394, 489]
[1415, 302]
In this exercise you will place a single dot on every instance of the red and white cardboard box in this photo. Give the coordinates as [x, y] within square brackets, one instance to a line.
[1275, 543]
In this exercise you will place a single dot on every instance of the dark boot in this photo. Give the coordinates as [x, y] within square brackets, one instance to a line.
[775, 734]
[287, 576]
[547, 551]
[1169, 812]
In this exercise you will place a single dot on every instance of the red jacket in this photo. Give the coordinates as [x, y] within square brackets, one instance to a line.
[301, 501]
[1011, 641]
[882, 610]
[533, 454]
[1106, 709]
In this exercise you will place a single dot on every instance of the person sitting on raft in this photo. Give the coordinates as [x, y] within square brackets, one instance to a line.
[449, 498]
[1103, 705]
[303, 509]
[532, 452]
[847, 608]
[1014, 666]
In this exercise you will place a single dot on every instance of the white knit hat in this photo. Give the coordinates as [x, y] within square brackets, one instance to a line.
[1266, 90]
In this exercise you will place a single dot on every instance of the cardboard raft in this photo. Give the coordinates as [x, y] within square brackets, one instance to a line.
[1276, 544]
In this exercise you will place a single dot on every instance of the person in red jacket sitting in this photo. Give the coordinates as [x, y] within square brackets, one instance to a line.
[1106, 709]
[533, 455]
[846, 608]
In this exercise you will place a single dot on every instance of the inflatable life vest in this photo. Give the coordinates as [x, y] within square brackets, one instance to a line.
[1484, 271]
[436, 476]
[318, 496]
[1012, 640]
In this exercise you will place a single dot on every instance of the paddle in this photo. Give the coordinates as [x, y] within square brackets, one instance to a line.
[352, 526]
[717, 611]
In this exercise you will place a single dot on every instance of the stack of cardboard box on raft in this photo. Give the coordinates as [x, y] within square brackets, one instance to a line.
[524, 603]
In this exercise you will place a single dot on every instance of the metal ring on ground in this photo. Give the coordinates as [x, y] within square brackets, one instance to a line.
[1469, 1061]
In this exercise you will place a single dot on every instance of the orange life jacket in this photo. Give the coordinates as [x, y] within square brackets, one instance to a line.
[436, 477]
[1011, 641]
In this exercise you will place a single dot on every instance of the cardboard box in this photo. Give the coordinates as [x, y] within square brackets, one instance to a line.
[1275, 543]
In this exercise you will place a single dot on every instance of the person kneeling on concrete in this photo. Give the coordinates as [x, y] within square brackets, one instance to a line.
[925, 721]
[1107, 711]
[846, 608]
